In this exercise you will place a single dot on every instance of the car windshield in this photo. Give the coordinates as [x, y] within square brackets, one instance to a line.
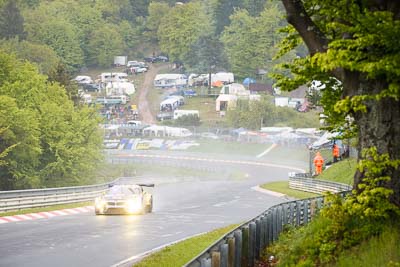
[123, 190]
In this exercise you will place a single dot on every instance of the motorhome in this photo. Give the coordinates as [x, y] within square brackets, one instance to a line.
[106, 77]
[169, 104]
[181, 112]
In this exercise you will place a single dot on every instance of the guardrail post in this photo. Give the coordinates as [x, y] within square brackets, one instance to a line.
[284, 214]
[279, 220]
[205, 262]
[306, 211]
[291, 213]
[252, 243]
[238, 248]
[245, 246]
[215, 259]
[224, 255]
[264, 228]
[298, 211]
[231, 251]
[274, 224]
[270, 226]
[259, 236]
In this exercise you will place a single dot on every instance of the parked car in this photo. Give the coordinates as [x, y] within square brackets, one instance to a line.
[150, 59]
[131, 63]
[90, 87]
[125, 199]
[138, 70]
[162, 58]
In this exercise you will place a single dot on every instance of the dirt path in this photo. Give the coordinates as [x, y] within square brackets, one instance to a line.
[143, 105]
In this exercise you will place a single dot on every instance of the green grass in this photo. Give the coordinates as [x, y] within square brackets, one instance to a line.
[50, 208]
[341, 172]
[206, 107]
[182, 252]
[283, 187]
[381, 250]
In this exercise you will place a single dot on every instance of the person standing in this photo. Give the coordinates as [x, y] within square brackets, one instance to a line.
[318, 163]
[335, 152]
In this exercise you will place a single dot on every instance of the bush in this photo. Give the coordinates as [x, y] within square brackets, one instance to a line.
[188, 120]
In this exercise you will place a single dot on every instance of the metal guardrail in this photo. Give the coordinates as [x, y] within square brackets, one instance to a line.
[302, 181]
[243, 246]
[23, 199]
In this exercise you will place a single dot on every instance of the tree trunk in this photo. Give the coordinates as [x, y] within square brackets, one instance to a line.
[380, 127]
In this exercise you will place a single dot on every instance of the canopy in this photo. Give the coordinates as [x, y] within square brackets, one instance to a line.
[248, 81]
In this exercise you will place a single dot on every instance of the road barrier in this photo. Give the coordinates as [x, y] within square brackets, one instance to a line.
[302, 181]
[24, 199]
[243, 246]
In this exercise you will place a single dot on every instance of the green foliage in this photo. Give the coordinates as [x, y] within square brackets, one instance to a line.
[60, 35]
[182, 27]
[11, 21]
[157, 11]
[343, 223]
[207, 55]
[53, 143]
[256, 114]
[188, 120]
[42, 55]
[103, 45]
[370, 200]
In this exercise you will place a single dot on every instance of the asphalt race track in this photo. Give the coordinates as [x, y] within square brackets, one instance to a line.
[182, 208]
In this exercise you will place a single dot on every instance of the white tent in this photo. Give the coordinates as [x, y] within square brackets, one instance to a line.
[225, 77]
[225, 102]
[119, 88]
[235, 89]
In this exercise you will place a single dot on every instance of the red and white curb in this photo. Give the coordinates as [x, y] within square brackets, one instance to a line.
[45, 214]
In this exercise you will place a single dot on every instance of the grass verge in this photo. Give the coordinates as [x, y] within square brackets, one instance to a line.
[50, 208]
[381, 250]
[182, 252]
[341, 172]
[283, 187]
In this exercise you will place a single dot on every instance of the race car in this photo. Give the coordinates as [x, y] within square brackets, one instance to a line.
[125, 199]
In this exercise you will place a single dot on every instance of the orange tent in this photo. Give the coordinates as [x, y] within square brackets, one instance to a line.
[217, 84]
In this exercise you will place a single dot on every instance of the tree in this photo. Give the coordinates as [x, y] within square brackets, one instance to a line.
[223, 10]
[42, 55]
[156, 11]
[250, 41]
[11, 21]
[353, 48]
[207, 55]
[182, 27]
[61, 36]
[53, 142]
[104, 44]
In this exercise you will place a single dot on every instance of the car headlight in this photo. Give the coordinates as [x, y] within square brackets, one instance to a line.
[133, 205]
[99, 203]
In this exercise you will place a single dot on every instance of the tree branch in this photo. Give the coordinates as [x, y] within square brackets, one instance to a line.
[312, 36]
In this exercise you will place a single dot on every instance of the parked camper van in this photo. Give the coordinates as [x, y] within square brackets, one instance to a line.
[169, 104]
[106, 77]
[181, 112]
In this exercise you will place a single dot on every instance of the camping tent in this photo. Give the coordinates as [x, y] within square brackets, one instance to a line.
[248, 81]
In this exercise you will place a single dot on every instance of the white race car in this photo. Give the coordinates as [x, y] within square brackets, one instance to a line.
[125, 199]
